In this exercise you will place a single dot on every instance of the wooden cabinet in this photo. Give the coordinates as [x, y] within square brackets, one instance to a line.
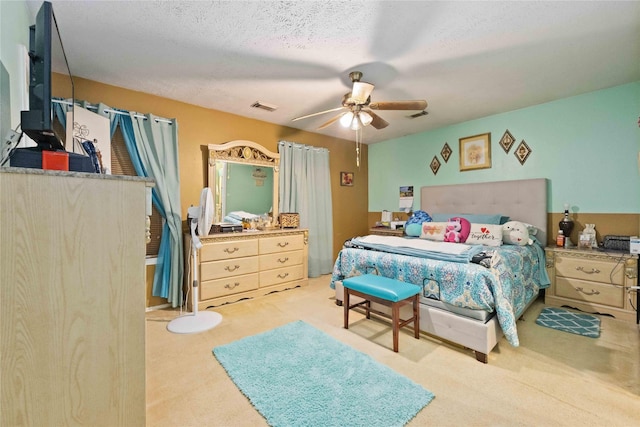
[235, 266]
[592, 281]
[72, 323]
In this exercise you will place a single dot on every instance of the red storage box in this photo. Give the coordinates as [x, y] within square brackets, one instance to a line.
[55, 160]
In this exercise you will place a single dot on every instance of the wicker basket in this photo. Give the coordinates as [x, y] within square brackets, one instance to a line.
[289, 220]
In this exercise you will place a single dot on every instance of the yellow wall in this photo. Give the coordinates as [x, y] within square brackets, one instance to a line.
[199, 126]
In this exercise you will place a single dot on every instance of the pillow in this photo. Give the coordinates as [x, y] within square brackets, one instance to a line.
[473, 218]
[516, 233]
[418, 217]
[457, 230]
[485, 234]
[413, 230]
[433, 231]
[533, 230]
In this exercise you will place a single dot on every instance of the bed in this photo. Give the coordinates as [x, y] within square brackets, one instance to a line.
[480, 321]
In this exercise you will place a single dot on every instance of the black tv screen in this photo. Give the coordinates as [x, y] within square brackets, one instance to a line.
[45, 49]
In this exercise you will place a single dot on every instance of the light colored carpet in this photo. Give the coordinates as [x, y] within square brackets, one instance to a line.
[552, 379]
[296, 375]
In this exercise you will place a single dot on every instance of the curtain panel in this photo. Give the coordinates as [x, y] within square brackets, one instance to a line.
[305, 188]
[152, 145]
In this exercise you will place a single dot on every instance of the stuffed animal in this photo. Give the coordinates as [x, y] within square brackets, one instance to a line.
[457, 230]
[516, 233]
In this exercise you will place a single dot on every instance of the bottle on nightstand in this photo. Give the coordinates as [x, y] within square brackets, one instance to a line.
[560, 239]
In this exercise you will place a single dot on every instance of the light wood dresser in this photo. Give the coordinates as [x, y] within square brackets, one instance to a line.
[592, 281]
[72, 318]
[235, 266]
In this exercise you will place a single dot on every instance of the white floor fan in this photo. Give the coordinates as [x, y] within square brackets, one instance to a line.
[197, 321]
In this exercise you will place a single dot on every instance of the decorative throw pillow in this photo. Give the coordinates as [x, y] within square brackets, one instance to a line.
[516, 233]
[433, 231]
[485, 234]
[457, 230]
[413, 230]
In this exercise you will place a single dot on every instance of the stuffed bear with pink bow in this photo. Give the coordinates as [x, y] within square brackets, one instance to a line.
[457, 230]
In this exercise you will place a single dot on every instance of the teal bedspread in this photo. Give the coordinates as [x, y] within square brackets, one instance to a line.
[515, 276]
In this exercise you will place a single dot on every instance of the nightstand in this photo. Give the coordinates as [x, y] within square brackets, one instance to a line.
[593, 281]
[383, 231]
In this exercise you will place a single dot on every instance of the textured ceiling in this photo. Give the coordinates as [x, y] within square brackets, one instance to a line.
[467, 59]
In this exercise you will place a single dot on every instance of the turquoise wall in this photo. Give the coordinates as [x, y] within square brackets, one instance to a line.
[587, 146]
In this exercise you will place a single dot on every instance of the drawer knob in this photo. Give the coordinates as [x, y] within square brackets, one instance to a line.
[232, 285]
[593, 291]
[282, 261]
[282, 276]
[232, 267]
[593, 270]
[231, 250]
[283, 244]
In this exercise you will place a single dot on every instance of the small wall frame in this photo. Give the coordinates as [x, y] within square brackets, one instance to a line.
[475, 152]
[507, 141]
[346, 179]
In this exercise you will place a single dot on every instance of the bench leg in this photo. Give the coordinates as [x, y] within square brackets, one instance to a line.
[345, 304]
[416, 317]
[395, 320]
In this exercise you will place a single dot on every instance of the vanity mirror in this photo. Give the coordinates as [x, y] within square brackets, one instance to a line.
[243, 176]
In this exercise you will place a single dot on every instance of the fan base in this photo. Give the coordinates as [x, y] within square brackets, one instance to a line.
[194, 323]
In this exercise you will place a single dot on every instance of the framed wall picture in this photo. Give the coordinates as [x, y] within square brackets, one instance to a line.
[475, 152]
[346, 179]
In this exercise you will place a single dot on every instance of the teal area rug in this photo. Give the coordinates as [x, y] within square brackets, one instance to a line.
[568, 321]
[297, 375]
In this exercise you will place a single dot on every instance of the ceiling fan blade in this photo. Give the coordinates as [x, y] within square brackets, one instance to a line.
[377, 122]
[317, 114]
[332, 121]
[399, 105]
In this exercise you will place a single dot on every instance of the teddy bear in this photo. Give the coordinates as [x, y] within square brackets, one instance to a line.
[516, 233]
[457, 230]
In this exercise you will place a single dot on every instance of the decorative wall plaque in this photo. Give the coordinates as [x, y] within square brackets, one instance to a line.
[522, 152]
[507, 141]
[446, 152]
[435, 165]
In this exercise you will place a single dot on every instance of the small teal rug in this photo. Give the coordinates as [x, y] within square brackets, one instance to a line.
[297, 375]
[568, 321]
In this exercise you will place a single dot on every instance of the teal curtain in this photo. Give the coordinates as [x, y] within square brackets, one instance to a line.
[305, 188]
[167, 281]
[156, 142]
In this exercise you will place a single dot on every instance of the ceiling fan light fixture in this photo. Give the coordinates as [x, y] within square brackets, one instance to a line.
[365, 118]
[361, 92]
[346, 119]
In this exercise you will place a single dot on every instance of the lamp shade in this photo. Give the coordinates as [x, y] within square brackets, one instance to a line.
[346, 119]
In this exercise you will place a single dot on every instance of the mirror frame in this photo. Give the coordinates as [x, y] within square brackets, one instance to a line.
[244, 152]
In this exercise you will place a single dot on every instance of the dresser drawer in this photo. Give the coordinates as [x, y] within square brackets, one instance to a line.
[282, 259]
[230, 267]
[228, 286]
[592, 292]
[590, 269]
[225, 250]
[269, 245]
[280, 275]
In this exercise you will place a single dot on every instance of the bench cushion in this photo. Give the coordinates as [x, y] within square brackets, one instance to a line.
[381, 287]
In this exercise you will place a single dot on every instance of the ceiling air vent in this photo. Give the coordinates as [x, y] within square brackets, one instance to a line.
[264, 106]
[420, 114]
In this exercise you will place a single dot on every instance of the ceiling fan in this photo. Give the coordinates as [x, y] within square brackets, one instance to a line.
[357, 107]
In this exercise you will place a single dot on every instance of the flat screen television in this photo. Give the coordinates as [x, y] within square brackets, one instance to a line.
[45, 52]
